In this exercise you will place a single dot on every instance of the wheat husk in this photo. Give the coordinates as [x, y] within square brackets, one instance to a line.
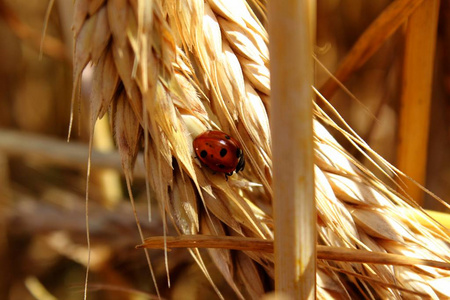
[168, 70]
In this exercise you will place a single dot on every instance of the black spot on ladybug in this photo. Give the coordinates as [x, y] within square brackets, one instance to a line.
[227, 137]
[223, 152]
[238, 153]
[221, 166]
[203, 153]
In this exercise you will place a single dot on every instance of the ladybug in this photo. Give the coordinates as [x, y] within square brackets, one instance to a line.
[220, 152]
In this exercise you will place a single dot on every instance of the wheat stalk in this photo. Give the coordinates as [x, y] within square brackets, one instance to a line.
[168, 70]
[292, 31]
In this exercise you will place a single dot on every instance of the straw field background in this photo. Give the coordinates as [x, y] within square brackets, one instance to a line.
[158, 73]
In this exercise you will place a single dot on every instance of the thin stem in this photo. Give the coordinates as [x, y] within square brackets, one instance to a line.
[420, 43]
[291, 31]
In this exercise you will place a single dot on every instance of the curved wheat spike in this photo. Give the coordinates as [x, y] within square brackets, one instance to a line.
[184, 67]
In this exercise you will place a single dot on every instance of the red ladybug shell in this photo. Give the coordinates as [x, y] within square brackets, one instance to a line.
[219, 151]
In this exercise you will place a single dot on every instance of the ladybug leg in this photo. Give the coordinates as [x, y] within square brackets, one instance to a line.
[228, 174]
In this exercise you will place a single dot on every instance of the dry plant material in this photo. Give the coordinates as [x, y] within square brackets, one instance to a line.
[169, 70]
[48, 45]
[292, 36]
[262, 245]
[415, 100]
[370, 41]
[56, 152]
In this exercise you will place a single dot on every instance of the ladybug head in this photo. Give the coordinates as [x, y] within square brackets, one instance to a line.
[241, 164]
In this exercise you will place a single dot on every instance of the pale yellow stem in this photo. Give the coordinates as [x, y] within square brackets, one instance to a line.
[420, 42]
[291, 35]
[109, 180]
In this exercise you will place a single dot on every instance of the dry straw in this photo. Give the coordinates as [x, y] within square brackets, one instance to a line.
[168, 70]
[292, 36]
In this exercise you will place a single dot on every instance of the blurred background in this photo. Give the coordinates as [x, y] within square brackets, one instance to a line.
[43, 179]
